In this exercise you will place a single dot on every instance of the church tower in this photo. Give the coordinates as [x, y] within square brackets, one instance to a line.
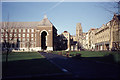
[79, 31]
[46, 35]
[79, 35]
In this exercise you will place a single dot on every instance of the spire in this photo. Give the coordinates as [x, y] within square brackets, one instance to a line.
[45, 22]
[45, 16]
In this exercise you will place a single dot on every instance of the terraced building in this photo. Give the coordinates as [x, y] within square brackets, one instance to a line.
[34, 36]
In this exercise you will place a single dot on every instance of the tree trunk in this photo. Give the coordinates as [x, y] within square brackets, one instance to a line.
[7, 56]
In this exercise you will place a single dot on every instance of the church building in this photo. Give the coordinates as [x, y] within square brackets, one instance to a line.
[29, 36]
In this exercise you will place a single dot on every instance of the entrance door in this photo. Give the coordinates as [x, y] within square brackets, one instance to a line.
[43, 40]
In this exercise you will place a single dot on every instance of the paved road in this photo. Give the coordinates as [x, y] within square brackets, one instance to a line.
[84, 68]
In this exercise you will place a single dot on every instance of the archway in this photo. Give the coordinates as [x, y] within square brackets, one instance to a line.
[43, 40]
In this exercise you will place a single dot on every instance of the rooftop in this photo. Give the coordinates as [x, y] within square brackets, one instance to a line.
[43, 22]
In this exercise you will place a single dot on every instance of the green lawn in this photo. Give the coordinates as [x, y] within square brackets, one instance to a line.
[27, 63]
[22, 56]
[92, 53]
[104, 56]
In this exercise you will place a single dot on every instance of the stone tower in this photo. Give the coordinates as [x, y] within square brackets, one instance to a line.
[78, 31]
[79, 34]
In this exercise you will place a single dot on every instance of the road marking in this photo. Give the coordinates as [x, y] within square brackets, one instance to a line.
[64, 70]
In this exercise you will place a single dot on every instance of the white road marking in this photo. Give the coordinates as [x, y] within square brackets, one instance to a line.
[64, 70]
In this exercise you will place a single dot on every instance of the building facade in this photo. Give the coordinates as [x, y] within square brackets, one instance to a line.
[79, 35]
[108, 36]
[91, 39]
[74, 44]
[66, 35]
[33, 36]
[85, 41]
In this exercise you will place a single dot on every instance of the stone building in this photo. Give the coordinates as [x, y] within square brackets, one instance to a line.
[85, 41]
[73, 37]
[35, 36]
[79, 35]
[108, 36]
[91, 39]
[73, 42]
[103, 37]
[66, 36]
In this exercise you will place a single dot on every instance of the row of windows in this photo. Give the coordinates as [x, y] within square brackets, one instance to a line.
[27, 44]
[19, 45]
[19, 30]
[19, 35]
[19, 39]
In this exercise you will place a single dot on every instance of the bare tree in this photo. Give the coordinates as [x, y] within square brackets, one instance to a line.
[29, 43]
[7, 37]
[111, 7]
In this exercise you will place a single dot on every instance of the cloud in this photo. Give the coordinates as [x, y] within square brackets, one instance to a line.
[54, 6]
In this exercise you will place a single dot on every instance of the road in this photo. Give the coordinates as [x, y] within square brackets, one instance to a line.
[85, 69]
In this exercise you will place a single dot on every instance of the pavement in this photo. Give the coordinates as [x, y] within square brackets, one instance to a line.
[84, 69]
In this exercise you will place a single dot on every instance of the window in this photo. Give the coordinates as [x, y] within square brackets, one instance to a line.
[6, 35]
[23, 39]
[1, 39]
[2, 30]
[23, 35]
[27, 39]
[23, 30]
[15, 39]
[23, 45]
[10, 35]
[28, 30]
[11, 30]
[1, 35]
[31, 35]
[6, 39]
[19, 35]
[32, 30]
[15, 30]
[31, 39]
[15, 35]
[27, 35]
[19, 30]
[6, 30]
[19, 39]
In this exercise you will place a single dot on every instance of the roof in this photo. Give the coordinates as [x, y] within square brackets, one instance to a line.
[19, 24]
[43, 22]
[118, 17]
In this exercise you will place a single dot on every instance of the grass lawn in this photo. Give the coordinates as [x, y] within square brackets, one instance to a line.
[95, 55]
[27, 63]
[22, 56]
[92, 53]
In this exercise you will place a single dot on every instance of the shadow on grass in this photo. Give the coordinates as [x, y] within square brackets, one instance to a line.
[28, 68]
[106, 59]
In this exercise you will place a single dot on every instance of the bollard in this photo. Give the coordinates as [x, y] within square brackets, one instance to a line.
[67, 54]
[78, 55]
[60, 53]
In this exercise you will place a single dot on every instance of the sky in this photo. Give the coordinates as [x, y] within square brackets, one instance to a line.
[63, 15]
